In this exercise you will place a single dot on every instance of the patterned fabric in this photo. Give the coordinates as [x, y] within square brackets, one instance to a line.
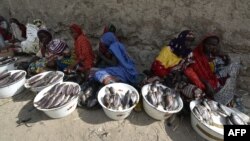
[84, 53]
[57, 46]
[164, 62]
[178, 44]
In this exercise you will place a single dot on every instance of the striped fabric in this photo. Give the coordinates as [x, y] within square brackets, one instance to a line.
[56, 46]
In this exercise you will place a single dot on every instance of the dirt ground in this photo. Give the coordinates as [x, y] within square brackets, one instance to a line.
[83, 124]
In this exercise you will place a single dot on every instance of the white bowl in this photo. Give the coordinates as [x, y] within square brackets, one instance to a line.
[58, 112]
[13, 88]
[38, 89]
[117, 114]
[152, 111]
[8, 66]
[212, 132]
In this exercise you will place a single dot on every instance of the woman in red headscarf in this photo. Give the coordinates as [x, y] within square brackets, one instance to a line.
[83, 50]
[212, 71]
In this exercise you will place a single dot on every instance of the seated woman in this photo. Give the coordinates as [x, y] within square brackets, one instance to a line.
[18, 30]
[31, 44]
[124, 71]
[104, 58]
[5, 34]
[212, 71]
[172, 55]
[83, 51]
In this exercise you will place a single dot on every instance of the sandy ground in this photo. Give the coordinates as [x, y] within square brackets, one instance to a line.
[83, 124]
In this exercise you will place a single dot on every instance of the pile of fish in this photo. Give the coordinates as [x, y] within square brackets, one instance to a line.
[58, 95]
[44, 80]
[7, 78]
[88, 97]
[162, 98]
[207, 108]
[6, 60]
[117, 101]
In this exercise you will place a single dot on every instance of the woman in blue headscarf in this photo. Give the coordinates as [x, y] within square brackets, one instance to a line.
[125, 70]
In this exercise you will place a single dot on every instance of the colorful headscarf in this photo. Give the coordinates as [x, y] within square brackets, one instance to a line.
[57, 46]
[178, 44]
[76, 28]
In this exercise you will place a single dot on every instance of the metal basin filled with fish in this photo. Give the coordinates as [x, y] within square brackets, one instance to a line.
[212, 128]
[11, 82]
[7, 63]
[58, 101]
[156, 110]
[46, 79]
[125, 98]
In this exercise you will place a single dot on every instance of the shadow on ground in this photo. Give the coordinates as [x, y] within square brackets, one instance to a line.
[29, 114]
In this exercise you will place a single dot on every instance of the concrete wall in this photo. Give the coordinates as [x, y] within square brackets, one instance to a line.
[146, 25]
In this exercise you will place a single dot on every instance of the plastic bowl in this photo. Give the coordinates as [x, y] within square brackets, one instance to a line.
[38, 89]
[117, 114]
[13, 88]
[8, 66]
[213, 132]
[58, 112]
[152, 111]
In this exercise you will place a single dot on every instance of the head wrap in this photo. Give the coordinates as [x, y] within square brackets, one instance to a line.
[76, 28]
[57, 46]
[178, 44]
[108, 38]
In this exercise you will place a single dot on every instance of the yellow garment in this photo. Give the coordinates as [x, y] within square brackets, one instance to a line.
[212, 66]
[168, 58]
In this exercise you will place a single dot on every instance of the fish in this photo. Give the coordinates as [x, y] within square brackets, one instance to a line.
[92, 102]
[151, 98]
[54, 88]
[69, 90]
[169, 99]
[228, 121]
[197, 113]
[111, 90]
[58, 100]
[117, 101]
[204, 102]
[55, 79]
[133, 97]
[126, 100]
[213, 106]
[76, 90]
[4, 75]
[106, 100]
[223, 110]
[34, 79]
[65, 100]
[236, 120]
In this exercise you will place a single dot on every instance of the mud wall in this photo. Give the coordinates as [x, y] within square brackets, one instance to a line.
[145, 25]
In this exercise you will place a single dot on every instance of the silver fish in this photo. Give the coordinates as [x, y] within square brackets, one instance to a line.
[117, 101]
[76, 90]
[224, 110]
[204, 102]
[65, 100]
[151, 98]
[58, 100]
[91, 102]
[4, 75]
[169, 99]
[236, 120]
[34, 79]
[106, 100]
[54, 88]
[112, 90]
[228, 121]
[107, 91]
[55, 79]
[126, 100]
[213, 106]
[69, 90]
[197, 113]
[133, 97]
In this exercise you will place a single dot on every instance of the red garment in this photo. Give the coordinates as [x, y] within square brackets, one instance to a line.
[76, 28]
[84, 53]
[159, 70]
[201, 68]
[5, 34]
